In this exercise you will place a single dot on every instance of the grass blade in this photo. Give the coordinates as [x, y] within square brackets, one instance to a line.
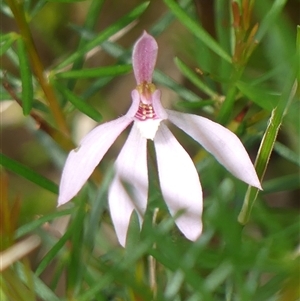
[79, 103]
[6, 42]
[259, 96]
[26, 77]
[270, 17]
[29, 227]
[194, 78]
[197, 30]
[167, 81]
[96, 72]
[267, 145]
[40, 287]
[103, 36]
[92, 17]
[27, 173]
[53, 252]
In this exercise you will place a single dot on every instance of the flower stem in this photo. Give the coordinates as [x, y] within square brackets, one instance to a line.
[37, 65]
[152, 263]
[267, 144]
[226, 109]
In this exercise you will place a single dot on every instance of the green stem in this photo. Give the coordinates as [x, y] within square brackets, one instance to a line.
[226, 109]
[37, 66]
[267, 145]
[90, 22]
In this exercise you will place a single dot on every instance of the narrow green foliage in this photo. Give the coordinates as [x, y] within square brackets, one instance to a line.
[287, 153]
[79, 103]
[225, 113]
[6, 41]
[224, 33]
[283, 183]
[40, 287]
[196, 29]
[167, 81]
[107, 33]
[33, 225]
[53, 252]
[27, 173]
[259, 96]
[218, 276]
[195, 79]
[133, 233]
[76, 266]
[91, 19]
[96, 72]
[26, 77]
[37, 8]
[267, 145]
[12, 288]
[236, 62]
[270, 17]
[13, 57]
[98, 203]
[162, 24]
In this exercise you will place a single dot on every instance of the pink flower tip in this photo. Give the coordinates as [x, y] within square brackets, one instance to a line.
[144, 58]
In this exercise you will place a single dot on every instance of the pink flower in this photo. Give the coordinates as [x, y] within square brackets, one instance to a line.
[178, 177]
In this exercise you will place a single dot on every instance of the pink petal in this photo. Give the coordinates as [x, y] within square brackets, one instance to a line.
[83, 160]
[135, 96]
[219, 141]
[129, 188]
[157, 106]
[179, 182]
[144, 58]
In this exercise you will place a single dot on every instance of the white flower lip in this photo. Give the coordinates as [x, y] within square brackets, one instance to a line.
[179, 180]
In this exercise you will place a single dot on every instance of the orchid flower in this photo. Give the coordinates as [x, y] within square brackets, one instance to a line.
[179, 181]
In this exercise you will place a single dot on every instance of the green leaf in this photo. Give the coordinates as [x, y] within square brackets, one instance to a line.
[161, 25]
[6, 42]
[284, 183]
[224, 34]
[222, 13]
[53, 252]
[270, 17]
[95, 87]
[13, 57]
[259, 96]
[99, 205]
[37, 8]
[287, 153]
[267, 144]
[194, 78]
[167, 81]
[218, 276]
[89, 24]
[79, 103]
[196, 29]
[27, 173]
[133, 233]
[41, 289]
[194, 105]
[96, 72]
[75, 265]
[29, 227]
[107, 33]
[26, 77]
